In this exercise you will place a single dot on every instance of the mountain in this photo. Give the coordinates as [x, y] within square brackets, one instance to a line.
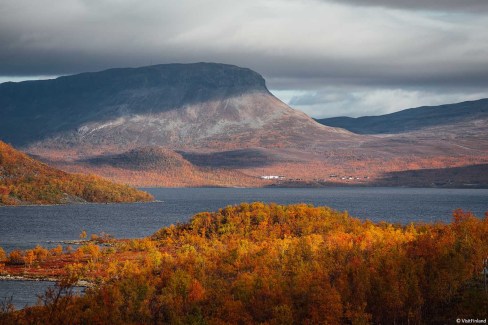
[48, 107]
[173, 105]
[415, 119]
[209, 124]
[24, 180]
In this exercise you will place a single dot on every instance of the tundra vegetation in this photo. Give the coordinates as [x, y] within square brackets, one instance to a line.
[24, 180]
[268, 264]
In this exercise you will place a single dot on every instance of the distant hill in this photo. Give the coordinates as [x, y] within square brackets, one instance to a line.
[472, 176]
[24, 180]
[147, 158]
[158, 166]
[413, 119]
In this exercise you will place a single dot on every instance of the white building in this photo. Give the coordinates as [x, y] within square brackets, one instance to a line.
[272, 177]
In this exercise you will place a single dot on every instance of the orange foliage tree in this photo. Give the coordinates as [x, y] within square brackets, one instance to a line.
[272, 264]
[25, 180]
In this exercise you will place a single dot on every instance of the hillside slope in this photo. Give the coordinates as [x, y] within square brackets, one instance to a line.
[414, 119]
[47, 107]
[24, 180]
[179, 106]
[156, 166]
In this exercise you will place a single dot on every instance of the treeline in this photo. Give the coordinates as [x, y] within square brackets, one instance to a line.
[273, 264]
[25, 180]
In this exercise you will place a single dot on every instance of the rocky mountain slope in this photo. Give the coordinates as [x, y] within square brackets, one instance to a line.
[24, 180]
[41, 109]
[176, 106]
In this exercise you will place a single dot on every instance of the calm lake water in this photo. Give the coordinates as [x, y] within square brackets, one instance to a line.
[22, 293]
[26, 293]
[24, 227]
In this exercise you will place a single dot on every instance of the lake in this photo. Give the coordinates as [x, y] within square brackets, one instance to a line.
[24, 227]
[26, 293]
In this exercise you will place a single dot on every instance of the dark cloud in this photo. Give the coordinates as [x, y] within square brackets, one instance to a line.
[435, 5]
[359, 101]
[297, 45]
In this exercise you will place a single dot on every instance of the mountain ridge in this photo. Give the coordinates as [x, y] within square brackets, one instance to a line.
[68, 102]
[412, 119]
[174, 105]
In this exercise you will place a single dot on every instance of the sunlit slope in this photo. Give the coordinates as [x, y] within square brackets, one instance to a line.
[24, 180]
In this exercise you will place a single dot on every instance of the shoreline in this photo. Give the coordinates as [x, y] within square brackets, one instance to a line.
[271, 186]
[76, 203]
[314, 185]
[8, 277]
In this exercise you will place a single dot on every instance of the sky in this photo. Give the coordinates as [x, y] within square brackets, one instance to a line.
[324, 57]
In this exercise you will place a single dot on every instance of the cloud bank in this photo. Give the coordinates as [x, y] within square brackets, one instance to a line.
[354, 50]
[432, 5]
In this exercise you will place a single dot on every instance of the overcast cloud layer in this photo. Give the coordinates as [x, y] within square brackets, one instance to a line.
[433, 5]
[327, 58]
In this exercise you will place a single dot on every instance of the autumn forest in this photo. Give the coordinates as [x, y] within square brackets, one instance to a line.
[24, 180]
[265, 264]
